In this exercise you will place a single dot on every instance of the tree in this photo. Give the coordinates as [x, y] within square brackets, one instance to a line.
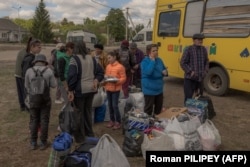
[116, 23]
[41, 28]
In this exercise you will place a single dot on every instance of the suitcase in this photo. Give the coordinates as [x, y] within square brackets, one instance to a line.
[211, 113]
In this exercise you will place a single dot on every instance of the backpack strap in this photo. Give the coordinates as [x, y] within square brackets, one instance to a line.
[41, 73]
[35, 71]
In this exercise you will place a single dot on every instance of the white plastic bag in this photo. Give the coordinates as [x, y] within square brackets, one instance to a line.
[159, 142]
[209, 135]
[107, 153]
[184, 134]
[174, 130]
[99, 98]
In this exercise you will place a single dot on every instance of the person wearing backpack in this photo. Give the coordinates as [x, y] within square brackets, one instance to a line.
[83, 77]
[53, 64]
[38, 81]
[127, 59]
[63, 59]
[139, 56]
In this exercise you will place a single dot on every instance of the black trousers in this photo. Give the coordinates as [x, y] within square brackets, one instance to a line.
[40, 116]
[153, 104]
[20, 91]
[84, 115]
[190, 86]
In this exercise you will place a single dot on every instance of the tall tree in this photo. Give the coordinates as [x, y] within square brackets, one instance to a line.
[116, 23]
[41, 27]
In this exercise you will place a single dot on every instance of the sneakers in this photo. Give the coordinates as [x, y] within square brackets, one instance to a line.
[43, 145]
[33, 146]
[110, 124]
[117, 125]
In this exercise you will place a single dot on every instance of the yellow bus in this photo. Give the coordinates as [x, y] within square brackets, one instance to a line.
[226, 26]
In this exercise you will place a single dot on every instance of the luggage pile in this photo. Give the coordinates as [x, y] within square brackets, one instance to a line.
[186, 128]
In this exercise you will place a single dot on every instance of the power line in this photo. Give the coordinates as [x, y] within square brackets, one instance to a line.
[102, 4]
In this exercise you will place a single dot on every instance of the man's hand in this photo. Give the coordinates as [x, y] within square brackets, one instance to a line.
[192, 73]
[95, 84]
[70, 96]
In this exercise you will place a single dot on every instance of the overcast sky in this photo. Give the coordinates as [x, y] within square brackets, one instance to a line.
[76, 10]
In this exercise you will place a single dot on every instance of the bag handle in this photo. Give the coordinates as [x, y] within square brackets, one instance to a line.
[210, 123]
[109, 139]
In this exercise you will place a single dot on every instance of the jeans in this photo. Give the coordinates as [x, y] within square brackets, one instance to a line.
[113, 100]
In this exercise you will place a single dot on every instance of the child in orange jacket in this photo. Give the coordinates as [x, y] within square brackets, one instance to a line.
[115, 76]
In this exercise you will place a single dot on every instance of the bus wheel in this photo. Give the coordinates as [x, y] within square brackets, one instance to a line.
[216, 81]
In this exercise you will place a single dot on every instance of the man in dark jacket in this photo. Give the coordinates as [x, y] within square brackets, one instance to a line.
[195, 64]
[83, 77]
[127, 59]
[139, 56]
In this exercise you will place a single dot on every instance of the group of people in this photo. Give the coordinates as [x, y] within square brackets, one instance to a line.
[78, 74]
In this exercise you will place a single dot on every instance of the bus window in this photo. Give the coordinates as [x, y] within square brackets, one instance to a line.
[193, 18]
[169, 23]
[232, 20]
[149, 36]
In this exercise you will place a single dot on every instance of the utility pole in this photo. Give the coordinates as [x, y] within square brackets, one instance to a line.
[126, 24]
[18, 8]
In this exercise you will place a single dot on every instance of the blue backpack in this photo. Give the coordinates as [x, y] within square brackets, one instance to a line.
[62, 142]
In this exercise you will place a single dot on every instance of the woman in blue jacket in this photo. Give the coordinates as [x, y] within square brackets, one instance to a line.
[153, 71]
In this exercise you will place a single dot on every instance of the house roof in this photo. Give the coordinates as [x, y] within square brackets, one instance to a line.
[9, 25]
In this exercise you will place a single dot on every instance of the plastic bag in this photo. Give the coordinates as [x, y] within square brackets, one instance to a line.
[160, 141]
[68, 118]
[209, 135]
[108, 153]
[99, 98]
[184, 134]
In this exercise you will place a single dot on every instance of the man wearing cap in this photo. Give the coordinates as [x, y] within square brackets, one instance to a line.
[39, 110]
[195, 64]
[100, 55]
[139, 56]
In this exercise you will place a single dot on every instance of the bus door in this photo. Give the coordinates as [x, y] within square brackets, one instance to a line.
[168, 40]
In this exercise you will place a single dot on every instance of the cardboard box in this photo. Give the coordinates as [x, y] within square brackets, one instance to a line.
[171, 112]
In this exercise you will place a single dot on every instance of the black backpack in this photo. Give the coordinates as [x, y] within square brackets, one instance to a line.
[39, 89]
